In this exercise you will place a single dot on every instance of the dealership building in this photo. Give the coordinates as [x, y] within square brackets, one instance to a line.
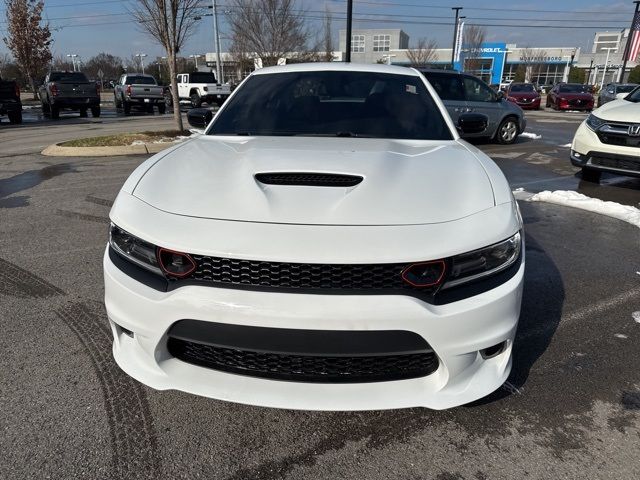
[494, 62]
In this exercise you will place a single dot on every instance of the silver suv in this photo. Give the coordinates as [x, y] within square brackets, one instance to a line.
[464, 93]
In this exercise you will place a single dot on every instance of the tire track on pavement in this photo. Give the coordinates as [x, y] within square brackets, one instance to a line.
[133, 439]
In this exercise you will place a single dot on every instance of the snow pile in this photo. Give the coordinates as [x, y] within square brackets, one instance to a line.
[577, 200]
[137, 142]
[535, 136]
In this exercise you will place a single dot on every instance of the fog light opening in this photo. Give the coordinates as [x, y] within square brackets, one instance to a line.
[126, 331]
[493, 351]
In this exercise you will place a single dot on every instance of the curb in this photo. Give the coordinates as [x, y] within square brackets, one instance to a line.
[56, 150]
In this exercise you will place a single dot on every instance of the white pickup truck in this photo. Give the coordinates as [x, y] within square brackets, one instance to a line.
[202, 87]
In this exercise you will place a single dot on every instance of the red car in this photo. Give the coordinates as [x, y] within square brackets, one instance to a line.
[570, 96]
[524, 95]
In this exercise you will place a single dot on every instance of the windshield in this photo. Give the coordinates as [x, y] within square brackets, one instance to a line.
[625, 88]
[139, 80]
[202, 77]
[523, 88]
[573, 88]
[334, 103]
[68, 77]
[633, 96]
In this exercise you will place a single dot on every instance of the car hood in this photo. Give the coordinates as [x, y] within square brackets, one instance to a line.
[403, 182]
[619, 111]
[575, 96]
[524, 95]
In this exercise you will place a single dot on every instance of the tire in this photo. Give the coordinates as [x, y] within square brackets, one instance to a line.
[168, 100]
[196, 101]
[45, 110]
[149, 109]
[116, 102]
[162, 108]
[591, 175]
[507, 132]
[55, 112]
[95, 111]
[126, 106]
[15, 118]
[83, 112]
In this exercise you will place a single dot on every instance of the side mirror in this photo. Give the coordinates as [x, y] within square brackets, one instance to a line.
[199, 117]
[620, 96]
[469, 123]
[500, 95]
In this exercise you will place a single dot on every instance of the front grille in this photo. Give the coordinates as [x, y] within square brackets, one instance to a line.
[305, 368]
[309, 179]
[618, 162]
[619, 139]
[309, 276]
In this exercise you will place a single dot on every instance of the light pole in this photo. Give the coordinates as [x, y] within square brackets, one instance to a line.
[73, 57]
[141, 56]
[195, 58]
[606, 63]
[347, 57]
[216, 34]
[565, 77]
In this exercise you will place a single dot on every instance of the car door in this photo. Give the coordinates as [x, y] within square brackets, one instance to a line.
[183, 85]
[450, 89]
[553, 96]
[482, 99]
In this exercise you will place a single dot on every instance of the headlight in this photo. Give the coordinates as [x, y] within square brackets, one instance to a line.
[157, 260]
[484, 262]
[594, 122]
[133, 249]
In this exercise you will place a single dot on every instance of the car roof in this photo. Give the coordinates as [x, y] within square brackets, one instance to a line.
[339, 67]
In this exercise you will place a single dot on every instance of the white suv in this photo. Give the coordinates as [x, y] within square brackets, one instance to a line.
[328, 243]
[609, 139]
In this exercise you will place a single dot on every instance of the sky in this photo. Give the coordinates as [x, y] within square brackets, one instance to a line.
[87, 27]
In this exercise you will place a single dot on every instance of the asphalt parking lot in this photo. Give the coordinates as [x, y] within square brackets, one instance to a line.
[570, 409]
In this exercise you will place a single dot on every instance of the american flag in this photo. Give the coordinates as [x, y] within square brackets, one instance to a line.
[634, 39]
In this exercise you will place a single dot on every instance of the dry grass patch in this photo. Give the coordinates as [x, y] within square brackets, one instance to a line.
[126, 139]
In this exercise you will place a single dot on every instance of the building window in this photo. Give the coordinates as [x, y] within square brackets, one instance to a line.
[357, 43]
[480, 67]
[381, 43]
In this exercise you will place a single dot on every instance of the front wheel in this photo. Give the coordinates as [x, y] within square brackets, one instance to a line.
[591, 175]
[196, 101]
[507, 131]
[15, 118]
[95, 112]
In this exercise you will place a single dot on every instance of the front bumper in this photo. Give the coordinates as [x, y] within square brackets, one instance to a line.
[587, 151]
[534, 105]
[456, 332]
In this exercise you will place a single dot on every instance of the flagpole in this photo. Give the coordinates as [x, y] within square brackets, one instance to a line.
[628, 45]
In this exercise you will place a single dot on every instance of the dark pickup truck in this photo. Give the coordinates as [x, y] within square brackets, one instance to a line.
[69, 91]
[10, 103]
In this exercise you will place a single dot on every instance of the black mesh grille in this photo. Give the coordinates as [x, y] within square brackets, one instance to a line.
[623, 163]
[300, 368]
[229, 271]
[616, 139]
[309, 179]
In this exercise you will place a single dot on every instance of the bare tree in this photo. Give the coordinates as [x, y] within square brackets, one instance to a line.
[533, 59]
[170, 23]
[28, 40]
[328, 37]
[110, 65]
[61, 63]
[472, 40]
[423, 54]
[269, 28]
[5, 60]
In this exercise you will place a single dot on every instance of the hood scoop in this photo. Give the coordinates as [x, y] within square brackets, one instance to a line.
[309, 179]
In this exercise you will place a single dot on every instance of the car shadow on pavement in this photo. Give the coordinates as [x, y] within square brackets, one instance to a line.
[540, 316]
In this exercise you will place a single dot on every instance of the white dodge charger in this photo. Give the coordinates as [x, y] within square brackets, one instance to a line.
[328, 243]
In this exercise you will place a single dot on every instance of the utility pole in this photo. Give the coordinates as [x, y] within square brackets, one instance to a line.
[455, 36]
[141, 57]
[628, 45]
[347, 57]
[216, 33]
